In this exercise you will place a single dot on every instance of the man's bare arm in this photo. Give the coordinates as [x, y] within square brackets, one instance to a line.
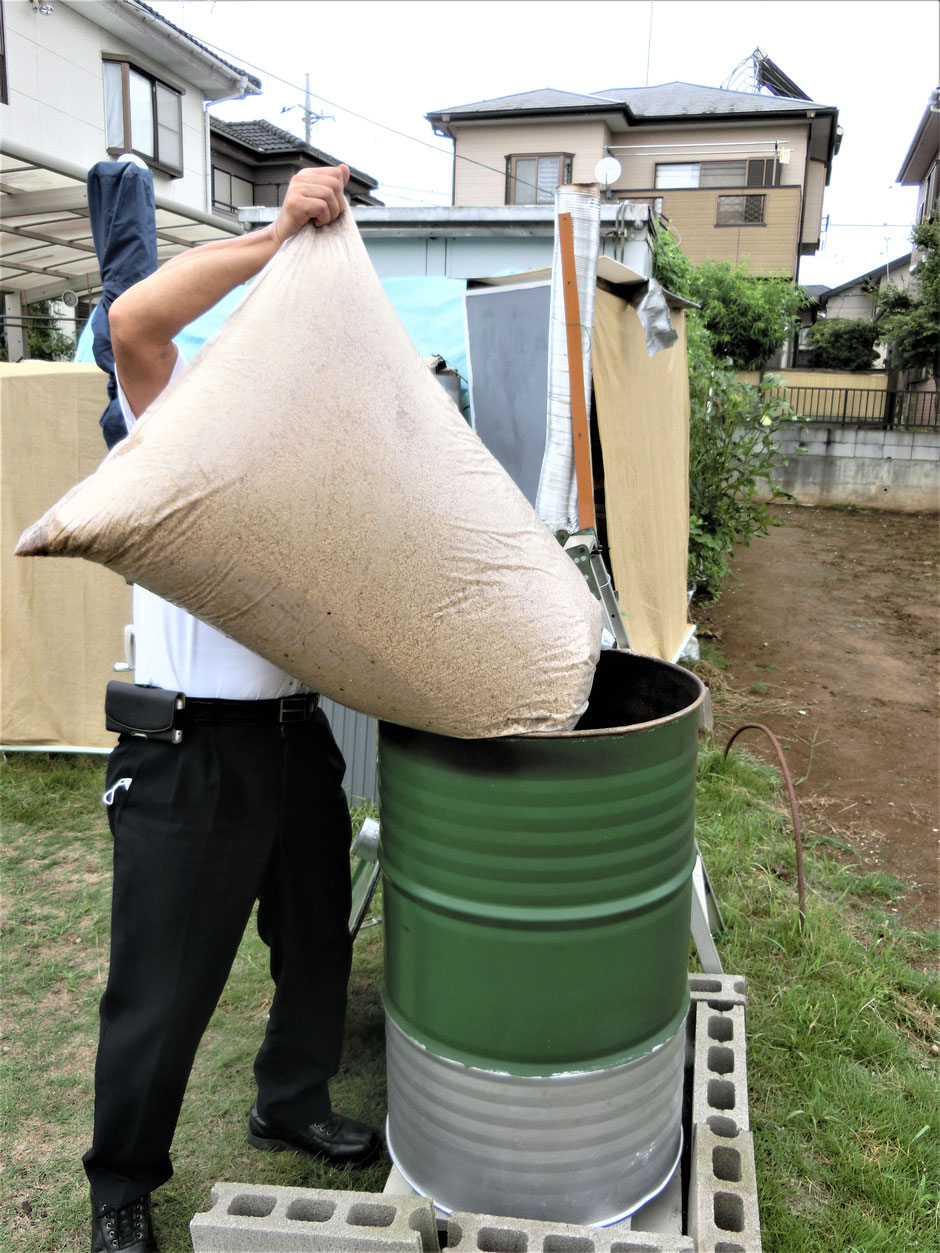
[145, 318]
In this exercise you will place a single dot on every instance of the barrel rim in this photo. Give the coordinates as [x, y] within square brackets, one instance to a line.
[632, 727]
[595, 733]
[635, 1205]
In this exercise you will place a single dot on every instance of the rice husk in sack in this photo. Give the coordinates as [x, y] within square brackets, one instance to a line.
[309, 489]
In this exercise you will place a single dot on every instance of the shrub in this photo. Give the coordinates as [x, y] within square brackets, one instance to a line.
[909, 323]
[732, 452]
[748, 319]
[843, 344]
[44, 340]
[732, 424]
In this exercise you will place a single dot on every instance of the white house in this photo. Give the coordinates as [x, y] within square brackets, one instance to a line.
[81, 83]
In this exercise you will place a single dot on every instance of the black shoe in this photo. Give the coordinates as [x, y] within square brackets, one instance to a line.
[336, 1140]
[128, 1228]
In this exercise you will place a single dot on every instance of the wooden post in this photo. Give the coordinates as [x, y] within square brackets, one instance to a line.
[579, 418]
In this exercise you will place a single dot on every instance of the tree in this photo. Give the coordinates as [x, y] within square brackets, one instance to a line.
[909, 317]
[44, 340]
[748, 319]
[732, 455]
[843, 344]
[732, 450]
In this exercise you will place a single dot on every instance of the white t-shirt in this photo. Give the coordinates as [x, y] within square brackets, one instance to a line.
[176, 651]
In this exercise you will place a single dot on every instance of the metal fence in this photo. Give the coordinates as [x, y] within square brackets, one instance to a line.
[864, 406]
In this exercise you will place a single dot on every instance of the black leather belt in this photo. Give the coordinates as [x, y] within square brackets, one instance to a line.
[298, 708]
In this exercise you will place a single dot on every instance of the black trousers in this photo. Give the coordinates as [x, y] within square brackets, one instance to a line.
[232, 815]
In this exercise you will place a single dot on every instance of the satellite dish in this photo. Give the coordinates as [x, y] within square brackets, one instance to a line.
[133, 159]
[607, 170]
[69, 298]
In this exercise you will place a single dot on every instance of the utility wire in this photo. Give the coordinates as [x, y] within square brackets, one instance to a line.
[433, 147]
[362, 117]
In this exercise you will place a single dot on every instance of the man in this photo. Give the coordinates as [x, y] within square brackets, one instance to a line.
[247, 806]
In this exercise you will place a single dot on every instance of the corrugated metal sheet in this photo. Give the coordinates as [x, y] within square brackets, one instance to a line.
[355, 733]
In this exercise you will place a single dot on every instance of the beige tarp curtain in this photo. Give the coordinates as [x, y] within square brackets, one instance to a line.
[643, 420]
[61, 621]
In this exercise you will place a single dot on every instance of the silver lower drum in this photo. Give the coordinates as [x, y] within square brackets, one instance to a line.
[586, 1147]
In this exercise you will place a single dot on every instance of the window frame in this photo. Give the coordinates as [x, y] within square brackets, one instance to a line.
[226, 206]
[769, 174]
[564, 161]
[745, 196]
[154, 158]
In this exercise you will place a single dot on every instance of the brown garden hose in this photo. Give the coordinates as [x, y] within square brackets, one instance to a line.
[794, 808]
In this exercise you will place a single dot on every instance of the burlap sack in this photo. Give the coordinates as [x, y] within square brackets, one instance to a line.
[308, 488]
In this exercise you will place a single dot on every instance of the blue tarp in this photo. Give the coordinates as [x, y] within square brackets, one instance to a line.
[431, 310]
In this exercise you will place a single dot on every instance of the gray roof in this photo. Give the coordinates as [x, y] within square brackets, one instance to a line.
[255, 82]
[897, 264]
[260, 135]
[691, 100]
[266, 138]
[645, 103]
[543, 98]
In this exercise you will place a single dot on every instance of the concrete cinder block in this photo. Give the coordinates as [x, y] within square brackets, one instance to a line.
[842, 434]
[723, 1214]
[925, 452]
[254, 1218]
[899, 439]
[718, 991]
[870, 448]
[719, 1076]
[897, 452]
[472, 1233]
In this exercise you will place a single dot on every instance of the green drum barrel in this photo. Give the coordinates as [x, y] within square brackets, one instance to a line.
[537, 898]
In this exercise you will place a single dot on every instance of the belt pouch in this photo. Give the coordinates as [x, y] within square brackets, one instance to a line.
[150, 712]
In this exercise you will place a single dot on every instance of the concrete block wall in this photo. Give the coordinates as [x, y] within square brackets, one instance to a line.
[834, 464]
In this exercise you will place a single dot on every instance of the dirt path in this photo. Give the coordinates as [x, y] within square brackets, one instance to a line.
[830, 632]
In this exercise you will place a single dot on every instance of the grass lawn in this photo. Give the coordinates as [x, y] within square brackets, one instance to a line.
[842, 1029]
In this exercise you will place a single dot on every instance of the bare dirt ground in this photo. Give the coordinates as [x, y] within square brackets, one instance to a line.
[830, 632]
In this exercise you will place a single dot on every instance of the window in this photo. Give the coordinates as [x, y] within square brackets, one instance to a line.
[752, 172]
[740, 211]
[532, 178]
[229, 192]
[143, 115]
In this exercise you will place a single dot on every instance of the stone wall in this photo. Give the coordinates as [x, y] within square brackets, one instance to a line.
[833, 464]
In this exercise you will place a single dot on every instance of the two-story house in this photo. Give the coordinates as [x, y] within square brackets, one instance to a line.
[83, 82]
[921, 168]
[738, 175]
[253, 162]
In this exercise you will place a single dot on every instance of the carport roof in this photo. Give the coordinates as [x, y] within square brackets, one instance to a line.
[46, 245]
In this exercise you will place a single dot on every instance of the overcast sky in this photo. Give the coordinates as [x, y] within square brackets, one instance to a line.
[377, 68]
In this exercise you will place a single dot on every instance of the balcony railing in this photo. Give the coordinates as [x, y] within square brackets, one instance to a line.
[865, 406]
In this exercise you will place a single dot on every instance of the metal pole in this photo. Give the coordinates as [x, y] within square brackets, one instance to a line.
[14, 326]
